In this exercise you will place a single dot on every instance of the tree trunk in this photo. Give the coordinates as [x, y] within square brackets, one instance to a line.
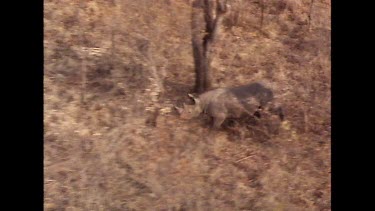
[207, 16]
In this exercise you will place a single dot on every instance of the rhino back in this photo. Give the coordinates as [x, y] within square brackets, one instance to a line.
[252, 93]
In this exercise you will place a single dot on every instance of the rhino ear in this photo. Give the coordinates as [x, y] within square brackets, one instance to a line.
[196, 100]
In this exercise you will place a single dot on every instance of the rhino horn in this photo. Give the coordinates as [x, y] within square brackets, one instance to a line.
[179, 110]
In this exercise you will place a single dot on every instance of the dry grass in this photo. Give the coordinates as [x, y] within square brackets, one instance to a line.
[126, 149]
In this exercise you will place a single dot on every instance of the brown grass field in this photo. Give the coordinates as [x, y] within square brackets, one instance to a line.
[127, 149]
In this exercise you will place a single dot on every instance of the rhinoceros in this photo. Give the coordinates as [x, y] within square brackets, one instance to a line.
[233, 102]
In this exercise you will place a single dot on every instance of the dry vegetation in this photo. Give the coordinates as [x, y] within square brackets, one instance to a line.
[126, 149]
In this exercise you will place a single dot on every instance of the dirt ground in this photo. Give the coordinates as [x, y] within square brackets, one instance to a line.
[125, 148]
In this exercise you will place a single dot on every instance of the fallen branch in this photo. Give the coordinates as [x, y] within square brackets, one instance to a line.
[244, 158]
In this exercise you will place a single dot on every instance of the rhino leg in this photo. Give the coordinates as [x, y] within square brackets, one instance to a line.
[218, 120]
[276, 109]
[257, 114]
[280, 113]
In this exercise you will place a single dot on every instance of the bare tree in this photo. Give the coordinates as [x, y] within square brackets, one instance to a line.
[207, 16]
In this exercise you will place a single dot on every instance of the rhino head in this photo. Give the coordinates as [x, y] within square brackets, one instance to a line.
[190, 111]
